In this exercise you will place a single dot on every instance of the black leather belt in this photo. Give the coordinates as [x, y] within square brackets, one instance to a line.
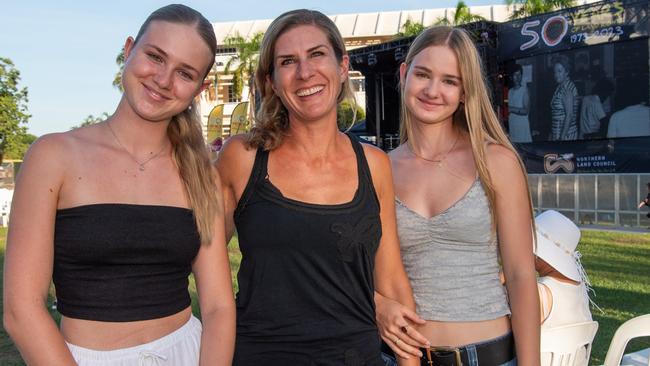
[490, 353]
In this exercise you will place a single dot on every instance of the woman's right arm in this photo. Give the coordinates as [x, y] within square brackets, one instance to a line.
[30, 253]
[235, 165]
[395, 318]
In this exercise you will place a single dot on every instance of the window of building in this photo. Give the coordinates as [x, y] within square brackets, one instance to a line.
[232, 97]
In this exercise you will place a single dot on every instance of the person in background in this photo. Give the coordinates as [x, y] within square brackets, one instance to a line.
[118, 214]
[562, 283]
[564, 104]
[518, 101]
[646, 200]
[462, 203]
[313, 209]
[634, 118]
[592, 109]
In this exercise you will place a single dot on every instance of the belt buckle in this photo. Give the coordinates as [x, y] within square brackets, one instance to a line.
[455, 350]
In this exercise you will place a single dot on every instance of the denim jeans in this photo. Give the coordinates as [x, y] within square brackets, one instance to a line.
[473, 358]
[471, 355]
[388, 360]
[512, 362]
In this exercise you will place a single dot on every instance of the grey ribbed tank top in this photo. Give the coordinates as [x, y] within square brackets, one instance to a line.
[452, 260]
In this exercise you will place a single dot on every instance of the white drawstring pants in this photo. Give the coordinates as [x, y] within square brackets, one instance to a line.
[179, 348]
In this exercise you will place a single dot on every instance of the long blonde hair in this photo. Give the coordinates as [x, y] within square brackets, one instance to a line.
[475, 115]
[272, 119]
[185, 132]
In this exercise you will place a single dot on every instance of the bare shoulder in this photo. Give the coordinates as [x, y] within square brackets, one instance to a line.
[504, 166]
[235, 159]
[380, 170]
[45, 164]
[236, 147]
[377, 158]
[501, 159]
[50, 149]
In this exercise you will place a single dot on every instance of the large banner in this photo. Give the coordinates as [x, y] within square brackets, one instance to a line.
[601, 22]
[587, 93]
[576, 88]
[625, 155]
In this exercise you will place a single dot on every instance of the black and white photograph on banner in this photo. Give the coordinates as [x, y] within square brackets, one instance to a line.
[594, 92]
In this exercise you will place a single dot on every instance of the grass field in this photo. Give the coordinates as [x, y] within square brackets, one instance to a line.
[618, 265]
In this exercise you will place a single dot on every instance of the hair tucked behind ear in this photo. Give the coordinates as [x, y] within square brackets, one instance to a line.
[185, 132]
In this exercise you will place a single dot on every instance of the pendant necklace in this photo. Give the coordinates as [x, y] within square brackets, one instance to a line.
[437, 161]
[140, 164]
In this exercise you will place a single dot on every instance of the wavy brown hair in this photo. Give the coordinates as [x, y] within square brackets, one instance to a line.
[475, 115]
[272, 119]
[185, 132]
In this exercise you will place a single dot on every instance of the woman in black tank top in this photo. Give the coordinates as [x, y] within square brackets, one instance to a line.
[313, 210]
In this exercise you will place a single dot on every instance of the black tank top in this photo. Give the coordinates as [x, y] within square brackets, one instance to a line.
[306, 277]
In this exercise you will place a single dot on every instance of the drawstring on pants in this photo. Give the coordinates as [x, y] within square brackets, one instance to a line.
[153, 358]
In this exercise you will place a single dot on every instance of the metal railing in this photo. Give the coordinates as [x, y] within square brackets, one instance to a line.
[593, 199]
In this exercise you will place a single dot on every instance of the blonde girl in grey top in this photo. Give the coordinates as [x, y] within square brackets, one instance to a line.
[463, 210]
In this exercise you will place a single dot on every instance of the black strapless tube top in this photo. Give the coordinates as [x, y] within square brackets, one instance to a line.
[123, 262]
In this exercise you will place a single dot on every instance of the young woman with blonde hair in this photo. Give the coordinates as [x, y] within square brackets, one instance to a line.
[313, 208]
[463, 208]
[119, 213]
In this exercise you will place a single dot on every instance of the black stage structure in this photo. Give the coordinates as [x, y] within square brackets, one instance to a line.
[604, 47]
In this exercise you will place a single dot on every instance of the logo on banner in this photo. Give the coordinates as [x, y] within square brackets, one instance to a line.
[555, 162]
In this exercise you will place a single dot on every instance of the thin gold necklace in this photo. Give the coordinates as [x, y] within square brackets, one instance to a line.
[438, 161]
[140, 164]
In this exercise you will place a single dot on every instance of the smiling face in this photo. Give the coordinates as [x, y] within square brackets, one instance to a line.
[307, 76]
[432, 85]
[164, 70]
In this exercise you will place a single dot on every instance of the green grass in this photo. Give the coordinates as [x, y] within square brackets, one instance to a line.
[8, 353]
[618, 265]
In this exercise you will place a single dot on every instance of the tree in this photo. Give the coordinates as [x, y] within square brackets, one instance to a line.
[20, 145]
[13, 107]
[117, 80]
[91, 120]
[242, 65]
[462, 15]
[410, 28]
[526, 8]
[345, 117]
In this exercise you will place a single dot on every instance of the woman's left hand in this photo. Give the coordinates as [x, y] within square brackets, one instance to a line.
[394, 322]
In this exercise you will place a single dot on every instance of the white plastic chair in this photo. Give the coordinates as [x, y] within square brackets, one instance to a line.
[635, 327]
[564, 344]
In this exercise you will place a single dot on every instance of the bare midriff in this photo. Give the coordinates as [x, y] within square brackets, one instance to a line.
[106, 336]
[454, 334]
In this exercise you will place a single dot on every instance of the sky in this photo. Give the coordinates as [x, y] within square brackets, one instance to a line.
[65, 50]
